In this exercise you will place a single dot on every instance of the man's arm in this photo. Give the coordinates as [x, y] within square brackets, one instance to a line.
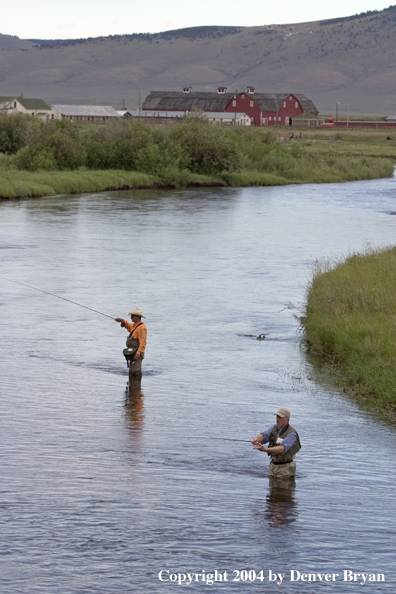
[124, 324]
[287, 443]
[258, 439]
[263, 437]
[275, 450]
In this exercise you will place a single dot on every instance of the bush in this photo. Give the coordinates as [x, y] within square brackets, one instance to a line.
[210, 149]
[14, 132]
[156, 158]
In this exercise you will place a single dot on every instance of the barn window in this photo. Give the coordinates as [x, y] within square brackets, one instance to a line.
[296, 104]
[243, 96]
[284, 104]
[234, 104]
[252, 120]
[251, 103]
[270, 118]
[290, 98]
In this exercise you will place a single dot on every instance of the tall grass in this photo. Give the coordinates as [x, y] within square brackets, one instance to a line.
[24, 184]
[350, 325]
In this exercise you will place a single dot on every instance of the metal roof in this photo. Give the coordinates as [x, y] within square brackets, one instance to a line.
[88, 110]
[178, 101]
[273, 101]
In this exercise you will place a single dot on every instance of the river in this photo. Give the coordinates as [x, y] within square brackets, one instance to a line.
[105, 484]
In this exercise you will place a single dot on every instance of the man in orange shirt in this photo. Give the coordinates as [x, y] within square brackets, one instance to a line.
[136, 339]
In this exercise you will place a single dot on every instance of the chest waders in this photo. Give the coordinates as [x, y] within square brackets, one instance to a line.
[273, 441]
[132, 347]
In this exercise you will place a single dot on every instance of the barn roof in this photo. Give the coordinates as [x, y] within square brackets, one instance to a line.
[88, 110]
[178, 101]
[273, 101]
[307, 104]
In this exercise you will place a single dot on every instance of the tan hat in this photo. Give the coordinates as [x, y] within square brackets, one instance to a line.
[136, 312]
[283, 412]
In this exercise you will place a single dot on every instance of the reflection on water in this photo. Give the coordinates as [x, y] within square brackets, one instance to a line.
[134, 406]
[281, 506]
[105, 484]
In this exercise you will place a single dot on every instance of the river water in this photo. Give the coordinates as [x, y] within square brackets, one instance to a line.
[105, 484]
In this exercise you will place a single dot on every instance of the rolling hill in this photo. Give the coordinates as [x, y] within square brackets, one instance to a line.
[348, 60]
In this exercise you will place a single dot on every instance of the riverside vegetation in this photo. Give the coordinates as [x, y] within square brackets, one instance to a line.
[350, 326]
[40, 159]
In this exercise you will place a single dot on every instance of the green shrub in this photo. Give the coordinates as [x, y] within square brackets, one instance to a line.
[13, 132]
[210, 149]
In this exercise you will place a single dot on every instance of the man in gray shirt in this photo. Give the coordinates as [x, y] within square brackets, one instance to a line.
[283, 444]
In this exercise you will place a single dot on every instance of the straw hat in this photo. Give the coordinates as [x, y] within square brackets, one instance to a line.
[136, 312]
[283, 412]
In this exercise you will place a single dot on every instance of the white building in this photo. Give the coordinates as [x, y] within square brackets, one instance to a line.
[215, 117]
[97, 114]
[34, 107]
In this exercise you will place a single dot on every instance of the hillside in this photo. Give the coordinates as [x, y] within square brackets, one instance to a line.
[12, 42]
[348, 60]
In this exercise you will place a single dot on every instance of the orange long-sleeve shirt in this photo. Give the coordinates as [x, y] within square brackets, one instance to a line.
[139, 332]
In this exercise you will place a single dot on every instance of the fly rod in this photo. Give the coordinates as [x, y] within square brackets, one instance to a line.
[58, 297]
[230, 439]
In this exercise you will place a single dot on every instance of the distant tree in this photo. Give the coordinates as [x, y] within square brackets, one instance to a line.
[14, 131]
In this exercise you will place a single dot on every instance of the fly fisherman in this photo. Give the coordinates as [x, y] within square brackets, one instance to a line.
[283, 444]
[136, 339]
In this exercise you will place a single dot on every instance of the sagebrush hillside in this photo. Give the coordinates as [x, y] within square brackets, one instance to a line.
[348, 60]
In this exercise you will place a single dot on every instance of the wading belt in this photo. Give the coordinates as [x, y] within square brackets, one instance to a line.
[279, 463]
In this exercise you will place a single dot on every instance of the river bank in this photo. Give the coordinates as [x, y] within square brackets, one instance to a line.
[350, 327]
[35, 184]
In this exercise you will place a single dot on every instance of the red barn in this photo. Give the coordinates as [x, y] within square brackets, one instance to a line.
[269, 109]
[264, 109]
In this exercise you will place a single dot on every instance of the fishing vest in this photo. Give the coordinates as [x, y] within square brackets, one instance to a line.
[274, 441]
[132, 345]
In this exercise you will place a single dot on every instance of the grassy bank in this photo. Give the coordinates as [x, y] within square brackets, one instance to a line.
[30, 184]
[350, 326]
[301, 169]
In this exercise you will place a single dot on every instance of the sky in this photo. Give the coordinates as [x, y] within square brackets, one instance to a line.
[48, 19]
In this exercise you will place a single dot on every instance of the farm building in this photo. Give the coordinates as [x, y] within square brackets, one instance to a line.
[263, 109]
[97, 114]
[172, 117]
[34, 107]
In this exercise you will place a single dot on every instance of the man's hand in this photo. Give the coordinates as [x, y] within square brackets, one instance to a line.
[136, 357]
[259, 446]
[119, 320]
